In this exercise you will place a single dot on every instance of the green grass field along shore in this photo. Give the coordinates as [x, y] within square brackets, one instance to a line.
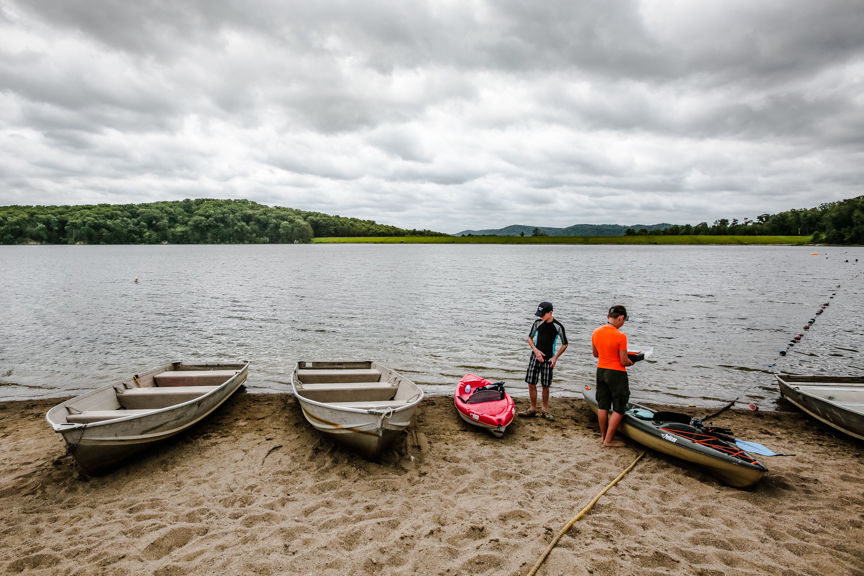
[639, 239]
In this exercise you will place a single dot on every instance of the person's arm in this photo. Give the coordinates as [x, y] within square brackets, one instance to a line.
[537, 353]
[594, 351]
[561, 351]
[625, 360]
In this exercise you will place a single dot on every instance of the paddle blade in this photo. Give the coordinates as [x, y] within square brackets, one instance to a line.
[755, 448]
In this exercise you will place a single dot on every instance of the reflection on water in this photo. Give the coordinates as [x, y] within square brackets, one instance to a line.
[73, 317]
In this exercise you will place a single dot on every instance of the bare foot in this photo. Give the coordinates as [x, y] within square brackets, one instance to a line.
[614, 444]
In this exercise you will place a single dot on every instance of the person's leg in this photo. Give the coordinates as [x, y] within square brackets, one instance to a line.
[609, 437]
[531, 376]
[603, 421]
[546, 382]
[604, 401]
[620, 389]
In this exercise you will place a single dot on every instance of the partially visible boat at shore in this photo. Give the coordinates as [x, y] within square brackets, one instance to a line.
[674, 434]
[106, 426]
[360, 404]
[837, 401]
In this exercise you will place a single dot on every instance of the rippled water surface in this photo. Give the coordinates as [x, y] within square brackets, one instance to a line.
[74, 317]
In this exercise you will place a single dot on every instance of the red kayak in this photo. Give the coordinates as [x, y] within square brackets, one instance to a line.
[484, 404]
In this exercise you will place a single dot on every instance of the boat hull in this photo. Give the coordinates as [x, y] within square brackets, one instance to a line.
[364, 416]
[98, 447]
[835, 401]
[676, 439]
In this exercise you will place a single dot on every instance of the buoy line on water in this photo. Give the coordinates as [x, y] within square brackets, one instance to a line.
[797, 338]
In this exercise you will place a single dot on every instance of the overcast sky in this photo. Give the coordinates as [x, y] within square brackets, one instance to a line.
[446, 115]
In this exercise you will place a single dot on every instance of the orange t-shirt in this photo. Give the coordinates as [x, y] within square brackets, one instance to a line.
[609, 340]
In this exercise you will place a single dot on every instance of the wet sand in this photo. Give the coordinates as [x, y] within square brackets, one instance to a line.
[255, 490]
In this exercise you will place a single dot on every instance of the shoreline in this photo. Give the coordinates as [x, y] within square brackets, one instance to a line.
[634, 240]
[254, 489]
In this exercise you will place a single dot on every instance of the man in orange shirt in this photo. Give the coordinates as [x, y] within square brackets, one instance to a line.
[609, 346]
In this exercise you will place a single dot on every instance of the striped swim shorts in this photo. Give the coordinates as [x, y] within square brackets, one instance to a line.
[541, 370]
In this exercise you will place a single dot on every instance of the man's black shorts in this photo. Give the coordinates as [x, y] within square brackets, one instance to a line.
[613, 390]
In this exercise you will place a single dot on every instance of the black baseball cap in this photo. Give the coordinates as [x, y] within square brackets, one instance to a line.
[543, 308]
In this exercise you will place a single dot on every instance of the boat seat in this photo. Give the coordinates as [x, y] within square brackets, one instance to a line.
[160, 397]
[348, 391]
[370, 405]
[90, 416]
[193, 377]
[315, 376]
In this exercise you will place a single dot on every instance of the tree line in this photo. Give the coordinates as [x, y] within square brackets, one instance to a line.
[199, 221]
[209, 221]
[830, 223]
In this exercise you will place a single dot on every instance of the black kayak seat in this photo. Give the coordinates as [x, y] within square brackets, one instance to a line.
[671, 417]
[485, 396]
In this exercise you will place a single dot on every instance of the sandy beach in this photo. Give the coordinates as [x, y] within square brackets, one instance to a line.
[255, 490]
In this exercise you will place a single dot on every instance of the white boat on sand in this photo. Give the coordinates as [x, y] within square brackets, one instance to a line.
[108, 425]
[362, 405]
[837, 401]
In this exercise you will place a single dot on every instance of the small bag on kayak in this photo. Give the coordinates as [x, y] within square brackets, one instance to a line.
[488, 393]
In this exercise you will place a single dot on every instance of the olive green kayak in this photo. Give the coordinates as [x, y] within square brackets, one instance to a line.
[672, 433]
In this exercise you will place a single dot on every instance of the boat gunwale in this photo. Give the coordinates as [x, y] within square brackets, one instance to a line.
[410, 403]
[784, 384]
[64, 427]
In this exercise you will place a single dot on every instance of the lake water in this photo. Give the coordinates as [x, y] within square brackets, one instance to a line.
[74, 317]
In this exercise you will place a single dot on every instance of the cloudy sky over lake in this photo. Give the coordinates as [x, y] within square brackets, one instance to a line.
[446, 115]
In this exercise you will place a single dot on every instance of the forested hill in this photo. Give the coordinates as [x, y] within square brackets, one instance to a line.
[574, 230]
[831, 223]
[200, 221]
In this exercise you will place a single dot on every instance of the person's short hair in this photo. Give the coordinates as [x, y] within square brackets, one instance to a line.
[617, 311]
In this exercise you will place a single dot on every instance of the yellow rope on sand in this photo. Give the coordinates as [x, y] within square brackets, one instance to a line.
[581, 513]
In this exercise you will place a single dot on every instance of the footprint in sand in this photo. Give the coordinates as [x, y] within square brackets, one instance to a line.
[172, 540]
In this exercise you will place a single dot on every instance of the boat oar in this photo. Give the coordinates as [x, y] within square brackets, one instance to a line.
[752, 447]
[756, 448]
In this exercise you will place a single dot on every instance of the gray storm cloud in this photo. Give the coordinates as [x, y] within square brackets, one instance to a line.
[440, 115]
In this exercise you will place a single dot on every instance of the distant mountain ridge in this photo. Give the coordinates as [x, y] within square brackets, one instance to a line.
[575, 230]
